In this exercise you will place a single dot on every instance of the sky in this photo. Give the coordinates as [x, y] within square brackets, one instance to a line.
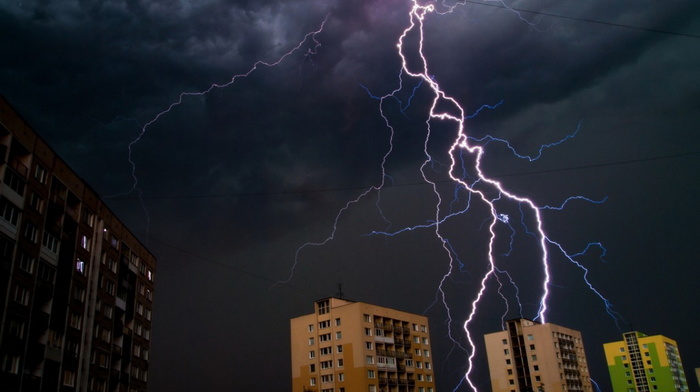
[302, 157]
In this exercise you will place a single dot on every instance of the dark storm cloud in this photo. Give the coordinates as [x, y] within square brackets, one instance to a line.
[236, 180]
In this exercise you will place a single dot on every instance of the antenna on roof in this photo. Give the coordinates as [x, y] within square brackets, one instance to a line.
[340, 291]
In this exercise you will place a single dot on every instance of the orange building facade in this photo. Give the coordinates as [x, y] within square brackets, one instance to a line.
[347, 346]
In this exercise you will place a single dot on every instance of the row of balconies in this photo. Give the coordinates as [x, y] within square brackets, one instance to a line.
[394, 328]
[395, 354]
[396, 381]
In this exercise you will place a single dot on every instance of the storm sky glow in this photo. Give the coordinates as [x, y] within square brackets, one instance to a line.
[473, 161]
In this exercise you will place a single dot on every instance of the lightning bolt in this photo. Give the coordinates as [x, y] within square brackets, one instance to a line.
[310, 42]
[465, 171]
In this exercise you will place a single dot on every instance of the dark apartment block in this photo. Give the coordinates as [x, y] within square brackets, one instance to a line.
[76, 286]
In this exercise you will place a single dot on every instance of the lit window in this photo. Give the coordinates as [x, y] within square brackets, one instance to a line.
[80, 266]
[85, 242]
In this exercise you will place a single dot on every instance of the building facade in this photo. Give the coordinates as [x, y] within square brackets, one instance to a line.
[76, 286]
[347, 346]
[641, 363]
[529, 356]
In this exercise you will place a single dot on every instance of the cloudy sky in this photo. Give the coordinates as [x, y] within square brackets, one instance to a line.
[262, 194]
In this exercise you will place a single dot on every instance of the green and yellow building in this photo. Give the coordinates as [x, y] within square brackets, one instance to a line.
[641, 363]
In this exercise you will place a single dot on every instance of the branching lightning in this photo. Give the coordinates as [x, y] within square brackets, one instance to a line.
[310, 42]
[465, 171]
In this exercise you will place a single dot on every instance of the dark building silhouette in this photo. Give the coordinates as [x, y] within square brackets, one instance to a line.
[76, 286]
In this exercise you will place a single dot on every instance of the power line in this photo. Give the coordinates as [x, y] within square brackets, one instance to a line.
[354, 188]
[233, 267]
[587, 20]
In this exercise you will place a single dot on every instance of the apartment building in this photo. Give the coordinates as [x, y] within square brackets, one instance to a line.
[641, 363]
[347, 346]
[528, 356]
[76, 286]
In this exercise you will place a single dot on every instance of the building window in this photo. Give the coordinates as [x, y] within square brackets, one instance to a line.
[534, 357]
[326, 378]
[324, 307]
[340, 362]
[75, 321]
[81, 266]
[326, 364]
[84, 242]
[324, 337]
[369, 359]
[36, 203]
[338, 335]
[16, 329]
[26, 263]
[532, 347]
[46, 272]
[337, 322]
[426, 353]
[368, 331]
[425, 341]
[21, 295]
[339, 348]
[530, 337]
[31, 232]
[312, 382]
[505, 341]
[311, 327]
[312, 354]
[8, 212]
[69, 378]
[622, 349]
[325, 351]
[50, 242]
[10, 364]
[367, 318]
[368, 345]
[324, 324]
[427, 365]
[372, 388]
[311, 341]
[312, 368]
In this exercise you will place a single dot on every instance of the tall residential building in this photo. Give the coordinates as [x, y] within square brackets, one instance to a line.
[641, 363]
[76, 287]
[529, 356]
[347, 346]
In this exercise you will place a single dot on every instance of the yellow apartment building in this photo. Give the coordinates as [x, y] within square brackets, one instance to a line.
[347, 346]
